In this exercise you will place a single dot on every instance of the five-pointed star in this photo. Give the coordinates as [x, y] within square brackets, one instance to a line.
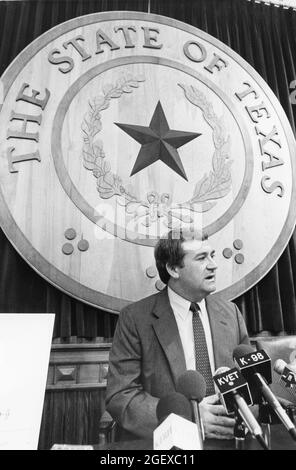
[159, 142]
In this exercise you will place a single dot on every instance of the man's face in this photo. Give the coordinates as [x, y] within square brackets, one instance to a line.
[197, 278]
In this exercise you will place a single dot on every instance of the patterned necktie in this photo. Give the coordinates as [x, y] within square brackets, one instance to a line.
[201, 351]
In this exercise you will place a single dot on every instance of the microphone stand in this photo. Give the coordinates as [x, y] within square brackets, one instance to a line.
[239, 432]
[266, 418]
[257, 434]
[198, 422]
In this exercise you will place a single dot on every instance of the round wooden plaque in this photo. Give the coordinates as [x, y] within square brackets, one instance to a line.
[116, 127]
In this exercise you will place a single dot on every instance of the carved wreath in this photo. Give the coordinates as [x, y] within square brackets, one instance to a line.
[214, 185]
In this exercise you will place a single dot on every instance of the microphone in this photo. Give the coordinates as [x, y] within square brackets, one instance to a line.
[175, 429]
[287, 380]
[286, 371]
[239, 426]
[227, 381]
[235, 396]
[250, 361]
[255, 367]
[192, 384]
[173, 403]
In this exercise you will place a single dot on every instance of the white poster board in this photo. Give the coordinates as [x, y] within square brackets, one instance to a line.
[25, 342]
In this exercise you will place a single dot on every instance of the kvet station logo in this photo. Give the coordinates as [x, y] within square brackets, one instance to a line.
[117, 127]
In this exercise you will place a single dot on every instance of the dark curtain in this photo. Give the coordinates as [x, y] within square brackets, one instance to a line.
[263, 35]
[71, 417]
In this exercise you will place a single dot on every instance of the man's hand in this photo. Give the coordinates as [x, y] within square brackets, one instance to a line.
[217, 424]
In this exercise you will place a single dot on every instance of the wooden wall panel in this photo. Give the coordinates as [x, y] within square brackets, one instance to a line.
[75, 394]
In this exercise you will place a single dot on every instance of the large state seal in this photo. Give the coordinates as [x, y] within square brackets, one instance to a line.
[116, 127]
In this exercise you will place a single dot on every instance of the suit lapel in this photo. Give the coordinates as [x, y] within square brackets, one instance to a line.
[166, 330]
[218, 326]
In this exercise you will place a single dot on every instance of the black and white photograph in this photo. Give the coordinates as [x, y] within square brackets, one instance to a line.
[147, 228]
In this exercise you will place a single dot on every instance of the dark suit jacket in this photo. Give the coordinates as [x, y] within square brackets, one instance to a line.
[147, 357]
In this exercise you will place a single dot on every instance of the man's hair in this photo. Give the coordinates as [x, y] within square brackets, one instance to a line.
[169, 250]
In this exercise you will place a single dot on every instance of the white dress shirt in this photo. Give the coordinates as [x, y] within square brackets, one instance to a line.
[183, 316]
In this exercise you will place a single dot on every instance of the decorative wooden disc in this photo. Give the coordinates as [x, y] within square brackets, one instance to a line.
[122, 125]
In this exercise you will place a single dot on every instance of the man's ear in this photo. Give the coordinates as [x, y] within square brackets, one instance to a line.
[173, 271]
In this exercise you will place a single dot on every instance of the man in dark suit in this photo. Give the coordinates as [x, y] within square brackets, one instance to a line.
[155, 342]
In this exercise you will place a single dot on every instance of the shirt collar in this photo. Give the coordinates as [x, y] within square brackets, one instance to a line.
[180, 305]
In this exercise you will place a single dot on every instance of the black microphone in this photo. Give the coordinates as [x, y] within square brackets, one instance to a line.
[192, 384]
[235, 395]
[256, 368]
[239, 430]
[250, 361]
[173, 403]
[176, 429]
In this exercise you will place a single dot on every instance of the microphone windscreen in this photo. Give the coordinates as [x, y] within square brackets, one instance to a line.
[221, 370]
[279, 366]
[242, 350]
[173, 403]
[192, 385]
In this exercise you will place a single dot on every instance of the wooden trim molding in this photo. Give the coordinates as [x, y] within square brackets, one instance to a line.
[78, 366]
